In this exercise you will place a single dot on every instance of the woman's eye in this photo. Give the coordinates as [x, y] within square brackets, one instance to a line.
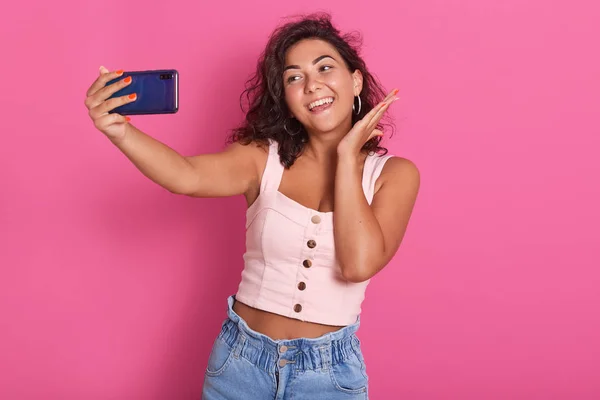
[292, 78]
[326, 66]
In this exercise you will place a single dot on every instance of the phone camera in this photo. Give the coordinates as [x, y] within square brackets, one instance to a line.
[166, 76]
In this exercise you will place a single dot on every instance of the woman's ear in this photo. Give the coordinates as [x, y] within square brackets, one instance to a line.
[357, 77]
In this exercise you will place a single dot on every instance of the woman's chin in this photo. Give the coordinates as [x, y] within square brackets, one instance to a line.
[325, 126]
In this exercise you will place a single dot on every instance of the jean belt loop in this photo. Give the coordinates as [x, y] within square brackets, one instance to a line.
[325, 356]
[239, 345]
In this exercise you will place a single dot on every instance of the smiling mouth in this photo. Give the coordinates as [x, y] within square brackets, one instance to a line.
[320, 105]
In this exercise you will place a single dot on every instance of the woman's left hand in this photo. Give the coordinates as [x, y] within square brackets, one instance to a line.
[364, 129]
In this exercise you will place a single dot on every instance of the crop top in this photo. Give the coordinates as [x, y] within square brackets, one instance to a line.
[290, 266]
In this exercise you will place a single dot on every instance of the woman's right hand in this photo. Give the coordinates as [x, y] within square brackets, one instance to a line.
[114, 125]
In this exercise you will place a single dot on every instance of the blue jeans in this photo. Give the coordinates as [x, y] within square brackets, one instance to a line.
[247, 365]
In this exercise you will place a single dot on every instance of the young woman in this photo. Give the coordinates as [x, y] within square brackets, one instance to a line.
[309, 146]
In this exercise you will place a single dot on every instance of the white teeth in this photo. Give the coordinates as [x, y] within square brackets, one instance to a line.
[320, 102]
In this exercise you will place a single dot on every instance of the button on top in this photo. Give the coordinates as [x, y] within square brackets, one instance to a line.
[283, 349]
[311, 243]
[297, 308]
[307, 263]
[302, 286]
[315, 219]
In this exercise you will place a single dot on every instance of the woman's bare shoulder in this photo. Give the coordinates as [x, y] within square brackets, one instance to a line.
[254, 155]
[254, 150]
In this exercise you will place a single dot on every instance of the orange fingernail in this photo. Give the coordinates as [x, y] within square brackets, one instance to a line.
[127, 80]
[127, 119]
[120, 72]
[396, 91]
[132, 96]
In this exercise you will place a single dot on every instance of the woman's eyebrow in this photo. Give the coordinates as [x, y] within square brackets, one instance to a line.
[316, 60]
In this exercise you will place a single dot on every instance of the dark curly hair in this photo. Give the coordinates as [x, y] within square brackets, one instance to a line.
[264, 91]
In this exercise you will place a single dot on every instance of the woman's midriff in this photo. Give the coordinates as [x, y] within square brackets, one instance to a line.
[278, 327]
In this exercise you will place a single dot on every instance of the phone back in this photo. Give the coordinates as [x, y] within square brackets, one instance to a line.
[157, 92]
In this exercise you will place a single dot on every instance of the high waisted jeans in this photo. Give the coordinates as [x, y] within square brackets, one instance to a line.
[247, 365]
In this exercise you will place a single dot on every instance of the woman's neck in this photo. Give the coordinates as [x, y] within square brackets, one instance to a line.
[322, 146]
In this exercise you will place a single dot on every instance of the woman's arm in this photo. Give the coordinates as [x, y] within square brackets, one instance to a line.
[227, 173]
[367, 237]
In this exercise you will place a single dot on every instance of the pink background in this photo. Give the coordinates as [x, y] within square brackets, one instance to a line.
[113, 288]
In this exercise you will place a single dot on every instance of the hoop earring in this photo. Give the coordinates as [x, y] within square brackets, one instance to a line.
[286, 129]
[359, 105]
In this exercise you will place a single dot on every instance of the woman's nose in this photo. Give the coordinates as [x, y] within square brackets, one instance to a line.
[312, 84]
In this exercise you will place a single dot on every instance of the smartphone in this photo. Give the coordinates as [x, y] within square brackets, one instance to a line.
[157, 92]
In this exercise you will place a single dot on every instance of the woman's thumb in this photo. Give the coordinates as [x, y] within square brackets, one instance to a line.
[103, 70]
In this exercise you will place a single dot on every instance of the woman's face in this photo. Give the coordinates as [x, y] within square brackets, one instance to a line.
[319, 88]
